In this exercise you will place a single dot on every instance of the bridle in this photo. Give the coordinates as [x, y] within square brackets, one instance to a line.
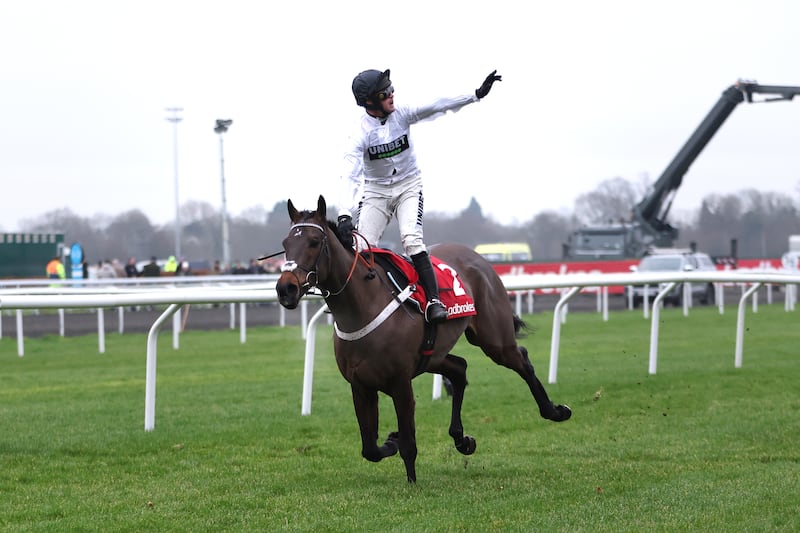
[312, 280]
[311, 273]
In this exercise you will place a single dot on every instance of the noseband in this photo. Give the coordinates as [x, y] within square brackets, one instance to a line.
[292, 266]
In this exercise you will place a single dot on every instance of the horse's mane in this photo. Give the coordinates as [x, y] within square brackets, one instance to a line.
[306, 215]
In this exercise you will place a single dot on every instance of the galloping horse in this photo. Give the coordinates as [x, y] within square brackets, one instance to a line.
[378, 339]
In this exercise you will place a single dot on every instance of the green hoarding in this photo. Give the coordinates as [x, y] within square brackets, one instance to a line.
[25, 255]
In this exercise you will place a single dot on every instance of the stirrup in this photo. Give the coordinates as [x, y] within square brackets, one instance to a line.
[435, 311]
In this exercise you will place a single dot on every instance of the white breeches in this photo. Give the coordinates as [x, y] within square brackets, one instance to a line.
[404, 200]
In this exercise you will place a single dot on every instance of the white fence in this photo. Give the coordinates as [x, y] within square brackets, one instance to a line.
[245, 289]
[572, 284]
[110, 288]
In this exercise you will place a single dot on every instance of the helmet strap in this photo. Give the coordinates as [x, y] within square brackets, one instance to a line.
[377, 109]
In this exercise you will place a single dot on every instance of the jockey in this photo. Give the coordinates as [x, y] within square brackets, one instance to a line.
[381, 178]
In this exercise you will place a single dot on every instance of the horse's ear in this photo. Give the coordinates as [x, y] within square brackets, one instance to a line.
[293, 214]
[322, 207]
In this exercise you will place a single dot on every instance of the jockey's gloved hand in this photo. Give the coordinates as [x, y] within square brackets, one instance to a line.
[484, 89]
[345, 229]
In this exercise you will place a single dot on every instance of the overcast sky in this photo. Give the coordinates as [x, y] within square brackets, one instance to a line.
[591, 91]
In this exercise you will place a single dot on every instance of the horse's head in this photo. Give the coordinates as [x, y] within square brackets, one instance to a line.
[307, 251]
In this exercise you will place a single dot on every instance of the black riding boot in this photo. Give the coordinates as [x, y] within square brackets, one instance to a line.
[435, 310]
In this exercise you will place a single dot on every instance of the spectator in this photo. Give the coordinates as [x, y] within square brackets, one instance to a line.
[273, 265]
[184, 269]
[171, 266]
[91, 269]
[105, 270]
[55, 269]
[118, 268]
[151, 269]
[255, 268]
[130, 269]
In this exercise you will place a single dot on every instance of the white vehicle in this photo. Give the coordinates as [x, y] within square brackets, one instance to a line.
[791, 261]
[675, 262]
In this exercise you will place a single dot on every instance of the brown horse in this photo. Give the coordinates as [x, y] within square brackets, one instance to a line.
[377, 341]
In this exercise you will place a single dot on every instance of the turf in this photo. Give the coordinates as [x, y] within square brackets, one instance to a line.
[699, 446]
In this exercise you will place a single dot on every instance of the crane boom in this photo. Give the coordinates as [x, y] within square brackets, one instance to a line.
[655, 207]
[649, 226]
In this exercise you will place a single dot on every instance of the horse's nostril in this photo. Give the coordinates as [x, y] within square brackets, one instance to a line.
[287, 291]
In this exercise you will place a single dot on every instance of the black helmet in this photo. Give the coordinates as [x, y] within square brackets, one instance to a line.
[368, 83]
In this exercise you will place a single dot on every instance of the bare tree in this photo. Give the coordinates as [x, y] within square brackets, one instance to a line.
[546, 233]
[760, 222]
[256, 214]
[717, 224]
[132, 235]
[192, 211]
[610, 202]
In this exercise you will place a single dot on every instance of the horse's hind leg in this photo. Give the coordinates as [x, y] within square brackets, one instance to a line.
[548, 410]
[516, 358]
[454, 368]
[365, 402]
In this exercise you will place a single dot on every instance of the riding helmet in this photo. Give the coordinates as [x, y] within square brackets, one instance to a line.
[368, 83]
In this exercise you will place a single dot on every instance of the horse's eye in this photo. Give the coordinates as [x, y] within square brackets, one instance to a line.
[313, 243]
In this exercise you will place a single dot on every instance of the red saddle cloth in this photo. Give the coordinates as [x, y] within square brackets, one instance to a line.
[451, 292]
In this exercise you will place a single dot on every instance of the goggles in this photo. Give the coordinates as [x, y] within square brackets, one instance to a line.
[383, 94]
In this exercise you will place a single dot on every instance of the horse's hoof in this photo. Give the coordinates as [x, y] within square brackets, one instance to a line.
[389, 448]
[563, 412]
[392, 444]
[467, 446]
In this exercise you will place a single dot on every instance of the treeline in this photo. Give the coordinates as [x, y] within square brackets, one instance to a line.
[760, 222]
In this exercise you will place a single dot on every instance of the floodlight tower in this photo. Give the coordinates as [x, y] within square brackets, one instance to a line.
[220, 128]
[175, 119]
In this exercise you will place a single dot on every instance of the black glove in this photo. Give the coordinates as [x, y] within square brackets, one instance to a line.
[345, 229]
[484, 89]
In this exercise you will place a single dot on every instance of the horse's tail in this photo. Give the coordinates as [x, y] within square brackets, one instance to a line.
[521, 329]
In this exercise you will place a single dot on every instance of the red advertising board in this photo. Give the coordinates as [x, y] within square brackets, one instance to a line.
[600, 267]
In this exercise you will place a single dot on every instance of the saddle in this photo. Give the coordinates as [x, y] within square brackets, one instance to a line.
[401, 273]
[400, 270]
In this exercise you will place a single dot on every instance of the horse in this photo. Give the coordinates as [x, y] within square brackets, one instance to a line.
[377, 339]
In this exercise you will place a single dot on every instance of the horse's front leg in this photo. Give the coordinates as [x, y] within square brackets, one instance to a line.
[365, 401]
[406, 436]
[454, 368]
